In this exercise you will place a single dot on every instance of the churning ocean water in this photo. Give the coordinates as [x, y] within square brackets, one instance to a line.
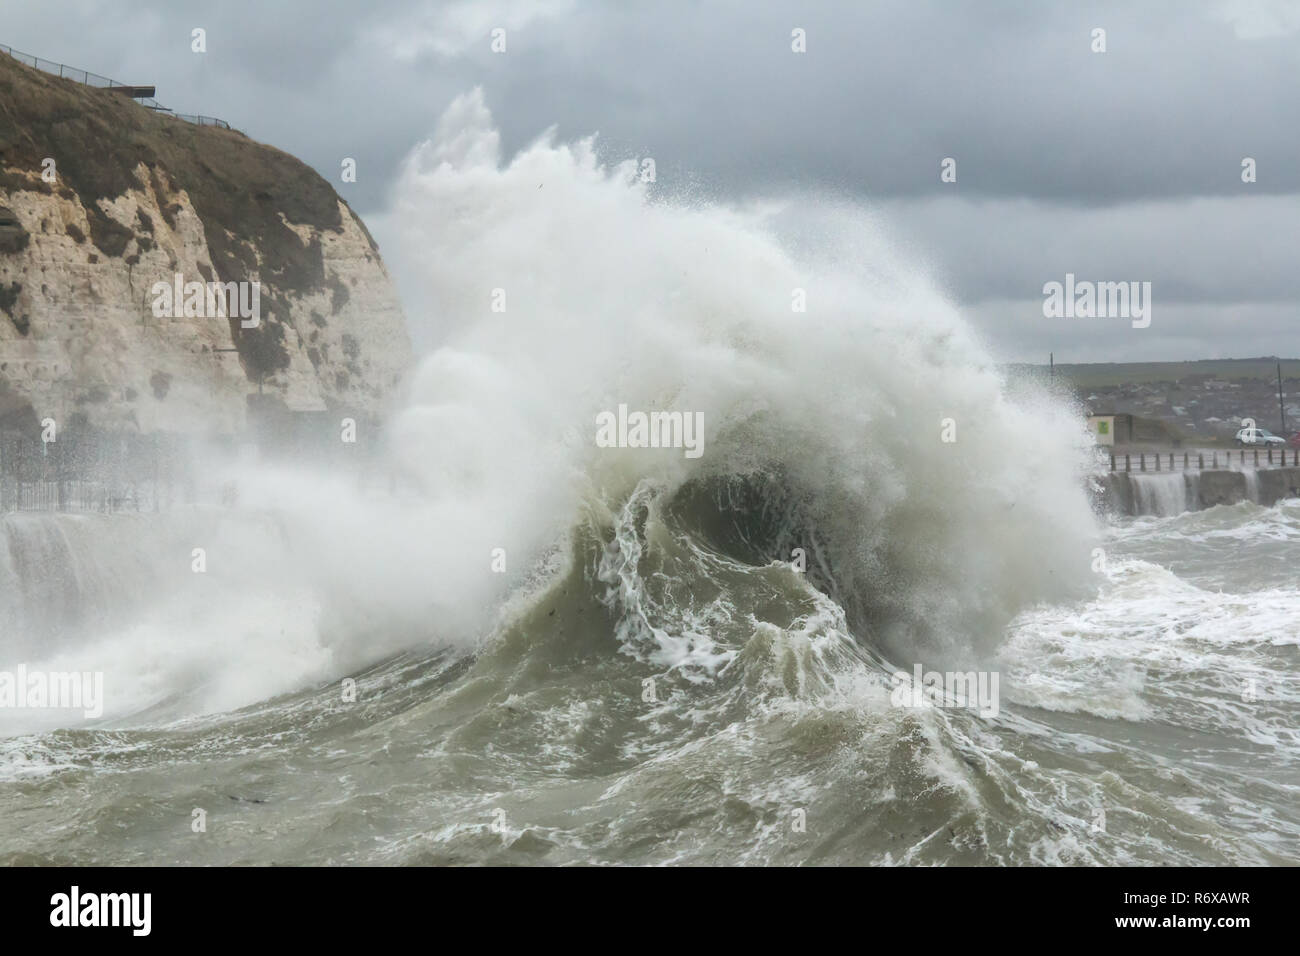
[539, 650]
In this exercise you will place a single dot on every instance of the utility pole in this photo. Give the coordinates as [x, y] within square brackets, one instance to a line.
[1281, 406]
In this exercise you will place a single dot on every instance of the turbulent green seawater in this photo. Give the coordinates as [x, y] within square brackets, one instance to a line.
[770, 738]
[505, 640]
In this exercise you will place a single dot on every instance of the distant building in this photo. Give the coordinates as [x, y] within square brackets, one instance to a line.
[1110, 428]
[1102, 428]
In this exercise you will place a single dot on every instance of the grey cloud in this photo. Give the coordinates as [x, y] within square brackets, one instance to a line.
[1203, 250]
[884, 92]
[1123, 164]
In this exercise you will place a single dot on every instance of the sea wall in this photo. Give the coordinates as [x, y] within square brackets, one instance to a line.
[1173, 492]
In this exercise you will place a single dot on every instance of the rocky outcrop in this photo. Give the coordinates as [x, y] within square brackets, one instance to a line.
[101, 199]
[13, 237]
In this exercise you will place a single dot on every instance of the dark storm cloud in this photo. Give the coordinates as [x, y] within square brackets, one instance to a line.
[885, 91]
[1126, 163]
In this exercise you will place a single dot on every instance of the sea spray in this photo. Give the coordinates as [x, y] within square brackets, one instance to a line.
[522, 647]
[875, 421]
[617, 298]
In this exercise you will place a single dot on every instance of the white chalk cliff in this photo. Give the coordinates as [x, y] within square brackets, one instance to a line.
[137, 199]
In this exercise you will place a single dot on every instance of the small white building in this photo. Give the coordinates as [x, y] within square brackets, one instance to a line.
[1102, 428]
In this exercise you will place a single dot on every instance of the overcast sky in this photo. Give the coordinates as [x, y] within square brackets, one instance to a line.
[1122, 165]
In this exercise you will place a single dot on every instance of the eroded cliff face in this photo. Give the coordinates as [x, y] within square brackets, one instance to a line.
[139, 198]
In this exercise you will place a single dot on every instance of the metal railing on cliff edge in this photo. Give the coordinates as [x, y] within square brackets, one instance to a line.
[104, 82]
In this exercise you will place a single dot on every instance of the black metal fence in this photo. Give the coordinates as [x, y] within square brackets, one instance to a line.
[1279, 456]
[104, 82]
